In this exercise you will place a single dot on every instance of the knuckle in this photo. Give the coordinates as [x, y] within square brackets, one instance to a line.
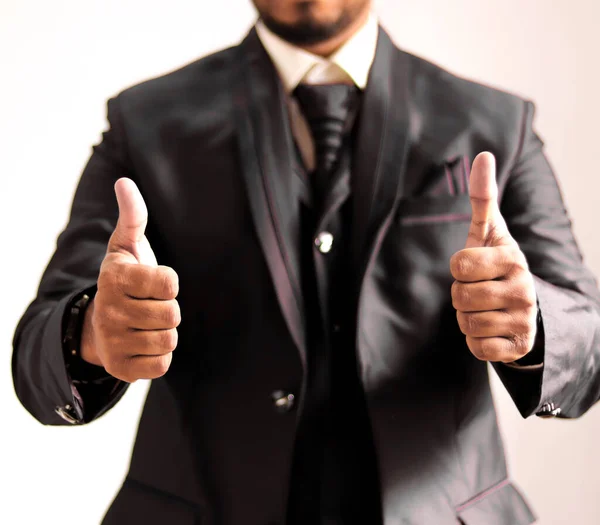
[529, 295]
[476, 348]
[461, 322]
[173, 282]
[459, 319]
[160, 365]
[532, 319]
[453, 264]
[173, 315]
[465, 266]
[519, 354]
[461, 297]
[479, 354]
[520, 344]
[482, 349]
[168, 282]
[460, 265]
[455, 294]
[169, 339]
[491, 349]
[524, 292]
[527, 321]
[471, 324]
[174, 339]
[518, 259]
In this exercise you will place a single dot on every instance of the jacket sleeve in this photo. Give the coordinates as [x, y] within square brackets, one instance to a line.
[41, 379]
[568, 382]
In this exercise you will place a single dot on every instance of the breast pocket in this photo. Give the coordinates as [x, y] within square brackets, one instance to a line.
[501, 504]
[434, 210]
[427, 231]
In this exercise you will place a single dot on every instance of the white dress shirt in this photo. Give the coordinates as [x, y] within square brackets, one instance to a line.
[350, 64]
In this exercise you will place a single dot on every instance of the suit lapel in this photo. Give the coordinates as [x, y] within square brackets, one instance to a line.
[380, 152]
[267, 160]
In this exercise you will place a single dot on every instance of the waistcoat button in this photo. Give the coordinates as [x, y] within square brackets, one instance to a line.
[324, 242]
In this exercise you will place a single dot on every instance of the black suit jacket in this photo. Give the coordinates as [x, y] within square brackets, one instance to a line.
[211, 151]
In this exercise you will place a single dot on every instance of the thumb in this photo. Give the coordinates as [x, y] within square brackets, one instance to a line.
[129, 235]
[487, 225]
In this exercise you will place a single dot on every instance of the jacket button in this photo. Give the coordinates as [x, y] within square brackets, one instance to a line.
[283, 401]
[324, 242]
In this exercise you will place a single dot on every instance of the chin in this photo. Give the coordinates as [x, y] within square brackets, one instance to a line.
[305, 22]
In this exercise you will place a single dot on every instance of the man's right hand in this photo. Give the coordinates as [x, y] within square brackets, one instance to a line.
[130, 328]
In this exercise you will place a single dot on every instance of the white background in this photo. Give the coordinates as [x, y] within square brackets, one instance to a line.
[61, 59]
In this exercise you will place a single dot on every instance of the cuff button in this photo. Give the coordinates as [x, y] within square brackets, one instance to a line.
[63, 412]
[548, 410]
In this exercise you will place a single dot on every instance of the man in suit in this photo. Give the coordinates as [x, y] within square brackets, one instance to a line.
[342, 279]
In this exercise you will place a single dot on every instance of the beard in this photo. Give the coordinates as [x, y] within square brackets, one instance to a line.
[308, 30]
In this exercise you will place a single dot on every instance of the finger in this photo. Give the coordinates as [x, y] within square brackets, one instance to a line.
[148, 314]
[142, 367]
[151, 367]
[498, 323]
[145, 282]
[493, 295]
[485, 264]
[498, 349]
[138, 281]
[487, 226]
[129, 235]
[151, 342]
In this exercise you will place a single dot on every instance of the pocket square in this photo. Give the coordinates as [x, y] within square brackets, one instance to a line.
[449, 178]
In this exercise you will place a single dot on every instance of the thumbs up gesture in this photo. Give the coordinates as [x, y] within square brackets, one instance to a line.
[130, 327]
[494, 292]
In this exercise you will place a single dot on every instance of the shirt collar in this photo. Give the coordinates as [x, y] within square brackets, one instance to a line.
[355, 57]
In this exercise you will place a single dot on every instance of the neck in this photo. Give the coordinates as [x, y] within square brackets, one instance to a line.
[330, 46]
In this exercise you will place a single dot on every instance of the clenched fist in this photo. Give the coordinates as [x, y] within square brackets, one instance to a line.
[494, 292]
[130, 328]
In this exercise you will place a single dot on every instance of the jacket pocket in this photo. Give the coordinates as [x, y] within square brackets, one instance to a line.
[140, 503]
[501, 504]
[432, 210]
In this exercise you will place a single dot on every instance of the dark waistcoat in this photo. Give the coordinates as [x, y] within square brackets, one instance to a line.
[334, 462]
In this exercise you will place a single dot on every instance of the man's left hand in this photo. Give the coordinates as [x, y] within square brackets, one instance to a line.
[494, 292]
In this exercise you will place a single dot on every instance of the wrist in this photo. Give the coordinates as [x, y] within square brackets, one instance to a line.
[87, 349]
